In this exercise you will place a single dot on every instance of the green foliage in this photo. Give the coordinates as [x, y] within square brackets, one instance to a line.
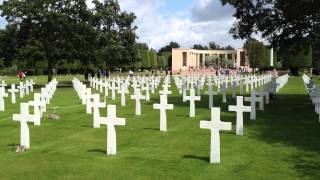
[297, 56]
[145, 59]
[255, 52]
[316, 53]
[200, 47]
[276, 20]
[66, 31]
[161, 62]
[167, 56]
[169, 47]
[153, 59]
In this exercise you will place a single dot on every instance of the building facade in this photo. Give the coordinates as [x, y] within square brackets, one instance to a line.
[185, 59]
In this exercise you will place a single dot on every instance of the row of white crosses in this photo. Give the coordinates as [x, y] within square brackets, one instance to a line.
[25, 89]
[221, 82]
[313, 91]
[110, 121]
[39, 104]
[281, 82]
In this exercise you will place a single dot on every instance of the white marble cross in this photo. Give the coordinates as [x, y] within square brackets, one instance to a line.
[163, 106]
[192, 98]
[211, 93]
[36, 103]
[26, 86]
[240, 109]
[215, 126]
[234, 89]
[147, 90]
[113, 90]
[253, 99]
[21, 89]
[24, 117]
[261, 100]
[111, 121]
[224, 92]
[96, 104]
[123, 91]
[13, 91]
[2, 95]
[138, 97]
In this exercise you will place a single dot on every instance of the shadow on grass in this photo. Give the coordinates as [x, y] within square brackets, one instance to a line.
[291, 121]
[97, 151]
[206, 159]
[152, 129]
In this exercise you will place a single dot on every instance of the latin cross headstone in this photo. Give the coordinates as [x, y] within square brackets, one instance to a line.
[111, 121]
[252, 99]
[215, 126]
[138, 97]
[123, 91]
[163, 106]
[24, 117]
[13, 91]
[192, 98]
[240, 109]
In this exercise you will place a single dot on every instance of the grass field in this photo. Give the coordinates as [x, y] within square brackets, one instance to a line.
[283, 143]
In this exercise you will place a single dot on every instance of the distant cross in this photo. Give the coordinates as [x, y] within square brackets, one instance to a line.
[215, 126]
[123, 91]
[240, 109]
[111, 121]
[211, 93]
[24, 117]
[224, 92]
[113, 90]
[138, 97]
[234, 89]
[192, 98]
[163, 106]
[253, 99]
[13, 91]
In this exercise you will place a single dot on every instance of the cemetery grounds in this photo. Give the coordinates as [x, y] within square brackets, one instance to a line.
[283, 143]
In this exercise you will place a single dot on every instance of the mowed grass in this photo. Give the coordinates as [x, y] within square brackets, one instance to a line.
[283, 143]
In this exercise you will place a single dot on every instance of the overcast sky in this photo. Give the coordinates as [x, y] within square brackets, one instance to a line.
[187, 22]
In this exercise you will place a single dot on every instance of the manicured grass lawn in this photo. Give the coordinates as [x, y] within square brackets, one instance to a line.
[283, 143]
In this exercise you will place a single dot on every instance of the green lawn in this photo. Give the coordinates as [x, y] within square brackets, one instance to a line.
[283, 143]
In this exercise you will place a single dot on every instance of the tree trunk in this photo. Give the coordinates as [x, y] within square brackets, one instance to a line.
[50, 70]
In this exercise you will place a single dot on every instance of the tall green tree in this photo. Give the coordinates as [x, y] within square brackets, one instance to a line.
[50, 30]
[296, 55]
[276, 20]
[116, 39]
[255, 52]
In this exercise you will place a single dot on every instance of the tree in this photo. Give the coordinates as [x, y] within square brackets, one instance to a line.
[116, 33]
[145, 59]
[316, 54]
[66, 31]
[255, 52]
[153, 59]
[276, 20]
[213, 46]
[296, 55]
[49, 30]
[200, 47]
[161, 62]
[169, 47]
[142, 46]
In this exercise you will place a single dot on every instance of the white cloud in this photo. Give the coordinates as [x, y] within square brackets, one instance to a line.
[158, 30]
